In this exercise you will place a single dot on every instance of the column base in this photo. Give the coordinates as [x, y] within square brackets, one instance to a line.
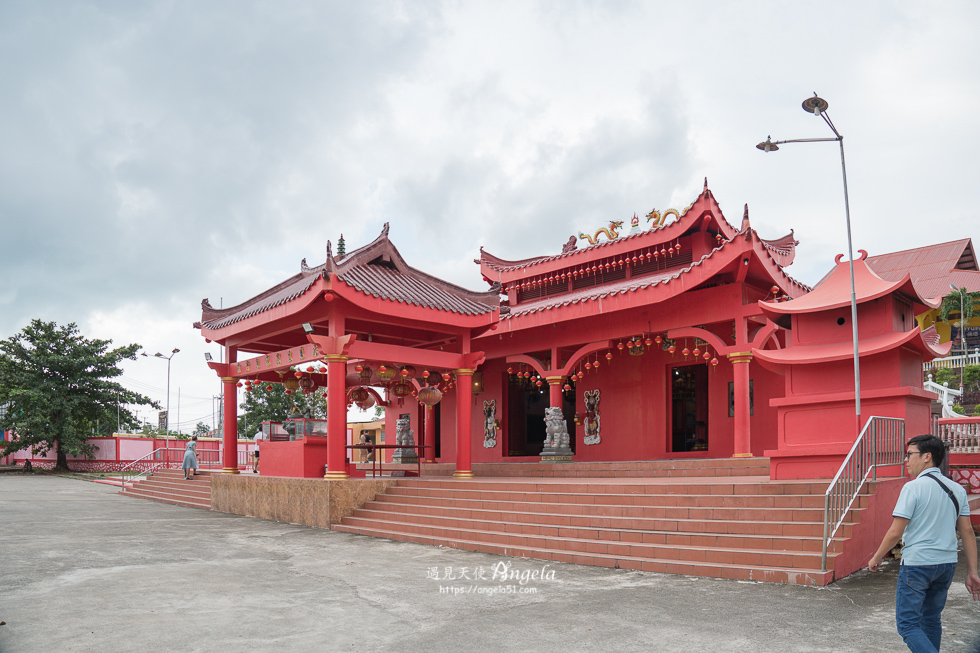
[336, 476]
[463, 474]
[231, 470]
[742, 455]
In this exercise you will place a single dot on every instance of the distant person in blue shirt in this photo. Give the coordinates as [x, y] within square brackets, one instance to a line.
[930, 510]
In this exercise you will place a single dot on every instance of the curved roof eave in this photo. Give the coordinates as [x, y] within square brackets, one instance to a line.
[809, 355]
[835, 291]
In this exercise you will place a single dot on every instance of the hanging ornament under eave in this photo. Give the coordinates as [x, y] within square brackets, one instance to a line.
[706, 355]
[401, 390]
[359, 394]
[367, 403]
[387, 373]
[609, 355]
[671, 349]
[435, 378]
[686, 352]
[696, 352]
[714, 361]
[365, 373]
[291, 384]
[306, 383]
[407, 371]
[430, 395]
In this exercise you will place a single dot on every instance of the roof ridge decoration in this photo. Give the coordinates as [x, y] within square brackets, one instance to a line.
[611, 234]
[685, 217]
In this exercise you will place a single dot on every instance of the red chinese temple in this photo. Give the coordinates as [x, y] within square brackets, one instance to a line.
[672, 345]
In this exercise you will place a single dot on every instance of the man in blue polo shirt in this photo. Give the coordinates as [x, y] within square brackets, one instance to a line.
[929, 512]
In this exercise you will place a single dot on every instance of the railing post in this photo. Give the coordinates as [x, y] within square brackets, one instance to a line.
[826, 528]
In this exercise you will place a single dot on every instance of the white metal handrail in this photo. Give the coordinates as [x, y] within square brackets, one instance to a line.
[144, 465]
[881, 443]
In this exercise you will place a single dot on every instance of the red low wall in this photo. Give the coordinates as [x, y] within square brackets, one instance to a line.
[304, 458]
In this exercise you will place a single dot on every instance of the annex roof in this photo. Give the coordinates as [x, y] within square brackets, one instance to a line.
[376, 270]
[932, 268]
[835, 290]
[924, 342]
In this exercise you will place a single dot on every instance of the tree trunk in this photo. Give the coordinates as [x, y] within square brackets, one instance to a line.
[62, 464]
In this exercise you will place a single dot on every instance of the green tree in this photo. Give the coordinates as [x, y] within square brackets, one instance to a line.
[951, 306]
[57, 386]
[275, 405]
[201, 429]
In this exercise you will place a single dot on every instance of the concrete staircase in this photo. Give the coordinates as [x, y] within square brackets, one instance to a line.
[169, 486]
[682, 517]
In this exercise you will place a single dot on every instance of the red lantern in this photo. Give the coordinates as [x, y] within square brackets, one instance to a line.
[649, 257]
[774, 290]
[310, 368]
[580, 375]
[677, 248]
[648, 342]
[686, 351]
[595, 364]
[268, 388]
[658, 340]
[538, 383]
[588, 366]
[359, 369]
[609, 355]
[289, 392]
[238, 385]
[510, 370]
[566, 387]
[635, 259]
[671, 251]
[401, 390]
[696, 352]
[620, 346]
[707, 355]
[672, 349]
[663, 251]
[714, 361]
[298, 375]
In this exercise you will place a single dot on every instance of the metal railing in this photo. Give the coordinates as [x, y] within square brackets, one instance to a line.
[142, 466]
[962, 436]
[880, 444]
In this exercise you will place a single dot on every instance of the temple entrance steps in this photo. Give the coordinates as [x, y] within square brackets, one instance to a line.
[619, 469]
[169, 486]
[747, 527]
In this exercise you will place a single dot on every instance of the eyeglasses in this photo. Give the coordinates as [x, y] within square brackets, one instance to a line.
[912, 453]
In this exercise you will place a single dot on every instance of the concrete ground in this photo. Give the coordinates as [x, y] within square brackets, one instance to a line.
[84, 569]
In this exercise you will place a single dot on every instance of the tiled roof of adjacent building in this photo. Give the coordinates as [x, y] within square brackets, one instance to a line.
[933, 267]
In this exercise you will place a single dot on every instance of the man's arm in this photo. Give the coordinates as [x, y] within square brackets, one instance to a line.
[970, 552]
[891, 538]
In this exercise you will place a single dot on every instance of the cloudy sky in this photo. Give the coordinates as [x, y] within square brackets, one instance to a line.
[153, 154]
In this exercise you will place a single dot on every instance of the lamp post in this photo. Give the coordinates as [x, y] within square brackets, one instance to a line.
[167, 436]
[818, 107]
[962, 337]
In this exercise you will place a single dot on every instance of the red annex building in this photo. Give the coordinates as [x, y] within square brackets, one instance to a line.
[661, 349]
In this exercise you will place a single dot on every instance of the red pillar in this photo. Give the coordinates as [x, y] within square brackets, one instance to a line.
[743, 435]
[230, 420]
[429, 435]
[336, 417]
[554, 388]
[464, 433]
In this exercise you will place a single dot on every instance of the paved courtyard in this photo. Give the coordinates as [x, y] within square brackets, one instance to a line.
[84, 569]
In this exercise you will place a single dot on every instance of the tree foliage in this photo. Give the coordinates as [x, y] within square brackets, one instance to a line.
[275, 405]
[951, 306]
[57, 386]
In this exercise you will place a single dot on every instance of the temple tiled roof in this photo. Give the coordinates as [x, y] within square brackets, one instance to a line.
[933, 267]
[376, 270]
[632, 285]
[783, 250]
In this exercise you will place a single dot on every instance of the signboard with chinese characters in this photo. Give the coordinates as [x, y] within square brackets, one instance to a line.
[162, 421]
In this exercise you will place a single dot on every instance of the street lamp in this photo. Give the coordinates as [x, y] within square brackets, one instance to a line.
[818, 107]
[962, 336]
[167, 436]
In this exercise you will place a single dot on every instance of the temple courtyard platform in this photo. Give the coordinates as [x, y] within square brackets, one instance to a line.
[85, 569]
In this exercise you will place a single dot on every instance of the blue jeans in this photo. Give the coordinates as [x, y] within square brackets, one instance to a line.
[919, 602]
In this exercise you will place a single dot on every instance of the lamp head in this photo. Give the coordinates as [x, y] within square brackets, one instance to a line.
[815, 105]
[159, 355]
[175, 351]
[953, 288]
[768, 145]
[307, 327]
[208, 357]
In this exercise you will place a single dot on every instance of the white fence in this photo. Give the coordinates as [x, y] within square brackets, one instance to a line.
[954, 361]
[962, 434]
